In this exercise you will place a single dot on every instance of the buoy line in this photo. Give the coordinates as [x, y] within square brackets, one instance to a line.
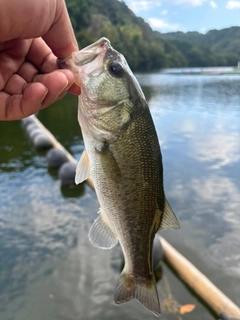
[216, 299]
[42, 138]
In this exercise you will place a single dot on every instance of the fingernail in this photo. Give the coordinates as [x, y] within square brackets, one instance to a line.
[42, 99]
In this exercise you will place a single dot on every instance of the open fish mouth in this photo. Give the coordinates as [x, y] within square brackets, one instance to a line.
[89, 53]
[86, 55]
[85, 58]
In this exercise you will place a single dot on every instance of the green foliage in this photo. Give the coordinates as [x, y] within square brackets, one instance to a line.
[220, 47]
[147, 50]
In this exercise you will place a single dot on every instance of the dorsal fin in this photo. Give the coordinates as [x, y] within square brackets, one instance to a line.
[169, 220]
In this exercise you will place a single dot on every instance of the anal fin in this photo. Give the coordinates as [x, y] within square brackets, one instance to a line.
[100, 234]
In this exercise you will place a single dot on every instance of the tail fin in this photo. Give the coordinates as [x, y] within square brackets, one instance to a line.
[143, 290]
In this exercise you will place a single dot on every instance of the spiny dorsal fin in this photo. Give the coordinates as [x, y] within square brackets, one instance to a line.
[83, 168]
[169, 220]
[100, 234]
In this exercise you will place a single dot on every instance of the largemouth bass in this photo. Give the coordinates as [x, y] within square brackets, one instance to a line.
[122, 155]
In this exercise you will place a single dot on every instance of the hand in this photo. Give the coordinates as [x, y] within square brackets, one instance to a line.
[33, 35]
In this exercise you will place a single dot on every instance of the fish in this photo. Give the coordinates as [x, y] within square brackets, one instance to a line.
[123, 158]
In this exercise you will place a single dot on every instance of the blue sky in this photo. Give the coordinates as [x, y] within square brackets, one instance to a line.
[187, 15]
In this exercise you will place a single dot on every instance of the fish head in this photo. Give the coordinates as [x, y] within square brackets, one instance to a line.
[103, 73]
[106, 82]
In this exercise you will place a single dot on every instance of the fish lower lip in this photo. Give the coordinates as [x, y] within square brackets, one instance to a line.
[84, 58]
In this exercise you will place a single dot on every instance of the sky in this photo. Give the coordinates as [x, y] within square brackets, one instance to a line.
[187, 15]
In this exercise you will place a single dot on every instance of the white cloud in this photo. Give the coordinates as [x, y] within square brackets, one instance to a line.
[233, 5]
[214, 190]
[164, 12]
[219, 149]
[137, 6]
[203, 30]
[161, 24]
[213, 4]
[196, 3]
[187, 128]
[191, 2]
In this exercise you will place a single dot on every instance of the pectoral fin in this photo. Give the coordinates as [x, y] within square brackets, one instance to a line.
[169, 220]
[100, 234]
[83, 168]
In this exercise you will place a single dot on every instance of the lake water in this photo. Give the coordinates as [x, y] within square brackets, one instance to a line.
[48, 268]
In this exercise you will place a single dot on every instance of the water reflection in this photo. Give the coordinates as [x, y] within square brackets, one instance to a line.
[219, 150]
[197, 119]
[212, 94]
[72, 192]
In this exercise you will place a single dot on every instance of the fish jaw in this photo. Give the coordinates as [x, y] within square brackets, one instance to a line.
[88, 61]
[89, 53]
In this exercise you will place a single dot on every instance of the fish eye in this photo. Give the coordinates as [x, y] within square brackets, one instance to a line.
[116, 69]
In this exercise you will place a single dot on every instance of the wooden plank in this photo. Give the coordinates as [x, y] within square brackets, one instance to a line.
[215, 298]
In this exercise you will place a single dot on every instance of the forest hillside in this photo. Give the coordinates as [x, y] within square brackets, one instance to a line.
[145, 49]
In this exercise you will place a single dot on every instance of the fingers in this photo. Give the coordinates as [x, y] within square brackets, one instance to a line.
[74, 89]
[57, 82]
[45, 90]
[15, 85]
[42, 59]
[41, 56]
[17, 106]
[28, 72]
[11, 57]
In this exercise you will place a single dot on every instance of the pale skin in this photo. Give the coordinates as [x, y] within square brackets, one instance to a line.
[34, 34]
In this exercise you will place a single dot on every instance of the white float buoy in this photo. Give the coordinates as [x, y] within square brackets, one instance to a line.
[30, 127]
[27, 121]
[42, 142]
[56, 157]
[67, 173]
[34, 132]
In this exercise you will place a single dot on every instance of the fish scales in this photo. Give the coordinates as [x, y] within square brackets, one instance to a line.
[124, 195]
[123, 157]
